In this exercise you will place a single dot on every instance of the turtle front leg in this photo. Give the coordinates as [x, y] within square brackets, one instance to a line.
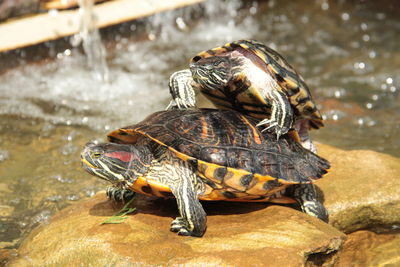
[193, 219]
[281, 113]
[182, 92]
[119, 194]
[306, 196]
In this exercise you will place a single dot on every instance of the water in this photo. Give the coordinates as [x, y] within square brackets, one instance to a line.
[89, 37]
[51, 104]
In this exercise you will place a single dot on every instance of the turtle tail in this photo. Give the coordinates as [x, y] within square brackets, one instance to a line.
[309, 166]
[320, 165]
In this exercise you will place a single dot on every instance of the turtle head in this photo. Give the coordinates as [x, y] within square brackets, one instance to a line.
[116, 163]
[211, 72]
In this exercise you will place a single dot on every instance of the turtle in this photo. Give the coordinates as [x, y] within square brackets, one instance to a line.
[251, 78]
[206, 154]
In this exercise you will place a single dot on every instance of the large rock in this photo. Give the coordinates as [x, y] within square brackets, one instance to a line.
[238, 234]
[362, 190]
[364, 248]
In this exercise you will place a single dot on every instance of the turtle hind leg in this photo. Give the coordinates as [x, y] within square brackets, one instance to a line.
[181, 90]
[119, 194]
[281, 114]
[306, 196]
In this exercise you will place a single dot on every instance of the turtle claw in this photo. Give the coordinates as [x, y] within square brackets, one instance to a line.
[179, 226]
[272, 127]
[184, 232]
[281, 114]
[119, 194]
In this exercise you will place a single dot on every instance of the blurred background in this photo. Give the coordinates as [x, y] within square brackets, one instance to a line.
[57, 95]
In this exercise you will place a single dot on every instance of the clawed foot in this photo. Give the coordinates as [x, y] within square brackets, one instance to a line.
[119, 194]
[273, 126]
[178, 103]
[182, 92]
[180, 226]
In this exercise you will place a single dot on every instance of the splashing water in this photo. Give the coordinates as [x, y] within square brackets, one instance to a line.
[90, 39]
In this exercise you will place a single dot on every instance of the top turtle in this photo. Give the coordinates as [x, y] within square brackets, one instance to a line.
[251, 78]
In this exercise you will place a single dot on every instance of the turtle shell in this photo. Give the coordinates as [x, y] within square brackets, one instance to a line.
[251, 100]
[235, 160]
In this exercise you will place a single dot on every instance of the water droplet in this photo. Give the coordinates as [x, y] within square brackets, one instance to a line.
[152, 36]
[325, 6]
[364, 26]
[393, 89]
[89, 192]
[107, 127]
[365, 37]
[384, 86]
[133, 27]
[180, 23]
[372, 54]
[253, 10]
[369, 105]
[345, 16]
[72, 197]
[85, 119]
[375, 97]
[371, 123]
[389, 80]
[339, 93]
[360, 121]
[335, 117]
[359, 65]
[67, 52]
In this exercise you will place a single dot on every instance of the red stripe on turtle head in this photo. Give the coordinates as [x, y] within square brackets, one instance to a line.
[121, 155]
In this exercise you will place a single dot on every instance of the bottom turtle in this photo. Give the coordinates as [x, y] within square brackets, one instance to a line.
[205, 154]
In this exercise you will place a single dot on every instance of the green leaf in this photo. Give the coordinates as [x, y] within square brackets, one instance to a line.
[119, 217]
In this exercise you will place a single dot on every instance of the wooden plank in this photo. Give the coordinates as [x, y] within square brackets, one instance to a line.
[44, 27]
[59, 4]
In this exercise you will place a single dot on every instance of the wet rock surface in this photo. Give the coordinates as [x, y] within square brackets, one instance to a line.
[362, 190]
[364, 248]
[237, 234]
